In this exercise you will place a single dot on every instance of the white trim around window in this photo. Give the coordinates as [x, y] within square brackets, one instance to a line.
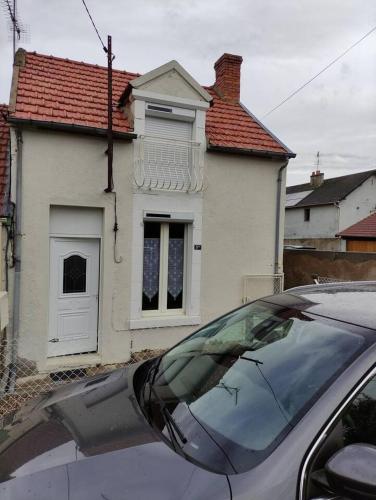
[175, 206]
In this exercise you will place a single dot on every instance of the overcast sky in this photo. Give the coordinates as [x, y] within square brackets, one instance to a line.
[283, 44]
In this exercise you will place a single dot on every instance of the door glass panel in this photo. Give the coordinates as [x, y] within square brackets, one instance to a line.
[74, 274]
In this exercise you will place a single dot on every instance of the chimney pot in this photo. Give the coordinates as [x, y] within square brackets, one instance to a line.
[227, 77]
[317, 179]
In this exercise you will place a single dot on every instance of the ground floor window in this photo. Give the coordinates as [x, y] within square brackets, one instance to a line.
[164, 266]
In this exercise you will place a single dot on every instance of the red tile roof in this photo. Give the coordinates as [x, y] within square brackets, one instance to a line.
[4, 155]
[230, 125]
[62, 91]
[366, 228]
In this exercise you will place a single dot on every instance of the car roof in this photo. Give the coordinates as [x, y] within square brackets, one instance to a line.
[352, 302]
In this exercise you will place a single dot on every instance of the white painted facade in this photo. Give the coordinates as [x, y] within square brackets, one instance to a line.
[325, 221]
[230, 225]
[358, 204]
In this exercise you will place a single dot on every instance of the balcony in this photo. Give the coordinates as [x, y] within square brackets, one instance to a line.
[165, 164]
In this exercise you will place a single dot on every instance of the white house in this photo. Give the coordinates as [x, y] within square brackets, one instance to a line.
[317, 211]
[196, 207]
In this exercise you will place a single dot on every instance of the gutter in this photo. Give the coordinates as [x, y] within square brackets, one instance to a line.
[278, 218]
[250, 152]
[71, 127]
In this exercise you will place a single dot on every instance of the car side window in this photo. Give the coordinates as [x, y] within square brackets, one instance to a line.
[356, 425]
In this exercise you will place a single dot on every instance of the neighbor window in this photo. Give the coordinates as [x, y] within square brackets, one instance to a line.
[307, 214]
[163, 266]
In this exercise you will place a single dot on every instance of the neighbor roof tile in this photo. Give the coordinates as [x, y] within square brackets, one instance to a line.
[366, 228]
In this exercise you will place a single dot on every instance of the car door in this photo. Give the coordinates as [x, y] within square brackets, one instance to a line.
[354, 423]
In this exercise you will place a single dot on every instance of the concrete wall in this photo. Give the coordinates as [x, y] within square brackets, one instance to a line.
[59, 168]
[301, 265]
[332, 244]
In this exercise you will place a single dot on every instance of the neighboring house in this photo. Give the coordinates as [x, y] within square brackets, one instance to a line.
[4, 212]
[198, 207]
[317, 211]
[361, 237]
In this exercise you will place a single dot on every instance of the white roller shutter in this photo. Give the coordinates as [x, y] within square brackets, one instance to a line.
[167, 153]
[170, 129]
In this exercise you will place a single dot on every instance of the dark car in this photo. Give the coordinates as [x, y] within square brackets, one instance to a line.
[275, 400]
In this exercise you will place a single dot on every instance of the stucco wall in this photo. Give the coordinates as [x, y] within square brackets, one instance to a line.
[238, 227]
[323, 222]
[67, 169]
[358, 204]
[300, 265]
[238, 234]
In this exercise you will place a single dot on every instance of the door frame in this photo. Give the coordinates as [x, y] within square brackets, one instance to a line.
[73, 238]
[319, 439]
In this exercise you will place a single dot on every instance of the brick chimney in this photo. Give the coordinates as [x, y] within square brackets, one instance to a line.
[317, 179]
[227, 77]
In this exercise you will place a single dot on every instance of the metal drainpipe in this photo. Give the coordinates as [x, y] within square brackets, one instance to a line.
[278, 217]
[17, 267]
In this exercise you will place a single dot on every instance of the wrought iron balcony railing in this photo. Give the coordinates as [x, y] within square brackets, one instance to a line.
[168, 164]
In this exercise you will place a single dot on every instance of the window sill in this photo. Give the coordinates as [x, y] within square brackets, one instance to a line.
[160, 322]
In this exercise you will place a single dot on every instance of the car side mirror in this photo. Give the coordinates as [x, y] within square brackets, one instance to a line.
[351, 472]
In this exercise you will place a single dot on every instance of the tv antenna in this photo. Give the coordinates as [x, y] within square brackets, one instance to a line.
[17, 30]
[318, 162]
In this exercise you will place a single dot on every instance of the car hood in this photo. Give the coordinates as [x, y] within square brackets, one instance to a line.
[89, 440]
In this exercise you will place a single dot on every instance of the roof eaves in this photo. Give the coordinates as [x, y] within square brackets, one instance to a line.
[247, 151]
[306, 205]
[357, 236]
[290, 154]
[70, 127]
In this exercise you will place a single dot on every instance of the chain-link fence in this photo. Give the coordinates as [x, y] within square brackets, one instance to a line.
[21, 380]
[322, 280]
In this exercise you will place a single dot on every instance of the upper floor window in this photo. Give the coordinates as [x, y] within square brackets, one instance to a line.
[168, 158]
[307, 214]
[167, 152]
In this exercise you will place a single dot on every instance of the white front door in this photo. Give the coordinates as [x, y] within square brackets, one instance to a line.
[74, 281]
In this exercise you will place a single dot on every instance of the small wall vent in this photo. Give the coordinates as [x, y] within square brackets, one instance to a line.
[157, 216]
[159, 108]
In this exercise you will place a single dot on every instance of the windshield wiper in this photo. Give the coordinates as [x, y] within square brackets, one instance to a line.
[169, 421]
[230, 355]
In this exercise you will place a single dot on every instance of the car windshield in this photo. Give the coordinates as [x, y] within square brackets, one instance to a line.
[236, 387]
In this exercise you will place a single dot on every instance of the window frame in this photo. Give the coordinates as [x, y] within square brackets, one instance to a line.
[325, 431]
[162, 310]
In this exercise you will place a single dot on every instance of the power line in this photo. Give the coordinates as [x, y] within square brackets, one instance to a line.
[96, 30]
[320, 72]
